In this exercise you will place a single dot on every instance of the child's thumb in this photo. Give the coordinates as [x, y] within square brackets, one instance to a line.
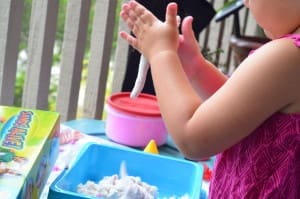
[187, 28]
[171, 14]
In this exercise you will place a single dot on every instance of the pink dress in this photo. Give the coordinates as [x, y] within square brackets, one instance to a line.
[265, 164]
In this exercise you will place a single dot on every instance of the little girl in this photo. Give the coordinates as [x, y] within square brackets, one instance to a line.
[251, 120]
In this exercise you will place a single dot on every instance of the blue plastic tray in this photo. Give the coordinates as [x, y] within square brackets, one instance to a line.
[172, 176]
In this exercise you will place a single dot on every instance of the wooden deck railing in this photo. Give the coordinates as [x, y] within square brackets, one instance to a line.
[41, 44]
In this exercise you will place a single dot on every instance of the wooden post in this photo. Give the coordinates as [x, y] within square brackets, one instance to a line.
[10, 29]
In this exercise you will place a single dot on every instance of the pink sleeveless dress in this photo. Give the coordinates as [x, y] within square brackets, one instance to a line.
[265, 164]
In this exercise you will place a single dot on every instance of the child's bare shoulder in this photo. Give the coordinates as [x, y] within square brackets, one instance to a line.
[283, 48]
[281, 54]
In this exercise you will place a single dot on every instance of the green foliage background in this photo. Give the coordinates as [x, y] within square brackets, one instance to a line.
[22, 62]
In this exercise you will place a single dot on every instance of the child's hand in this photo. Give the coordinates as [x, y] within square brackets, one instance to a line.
[189, 50]
[152, 36]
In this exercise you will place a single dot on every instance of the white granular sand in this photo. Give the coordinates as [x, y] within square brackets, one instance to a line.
[127, 187]
[113, 187]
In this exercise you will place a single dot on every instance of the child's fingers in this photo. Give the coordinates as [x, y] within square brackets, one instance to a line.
[124, 14]
[131, 15]
[187, 29]
[171, 14]
[128, 23]
[140, 17]
[129, 38]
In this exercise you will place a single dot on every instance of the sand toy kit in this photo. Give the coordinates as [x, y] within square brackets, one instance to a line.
[29, 144]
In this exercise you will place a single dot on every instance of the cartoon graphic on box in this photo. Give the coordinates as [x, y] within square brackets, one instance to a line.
[6, 156]
[29, 144]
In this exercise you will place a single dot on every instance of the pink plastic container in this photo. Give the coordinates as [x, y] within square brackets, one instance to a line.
[134, 121]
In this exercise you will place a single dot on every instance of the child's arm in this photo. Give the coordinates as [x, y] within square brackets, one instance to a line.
[204, 76]
[142, 73]
[265, 83]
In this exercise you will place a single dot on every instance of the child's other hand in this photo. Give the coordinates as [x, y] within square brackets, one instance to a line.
[151, 36]
[189, 50]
